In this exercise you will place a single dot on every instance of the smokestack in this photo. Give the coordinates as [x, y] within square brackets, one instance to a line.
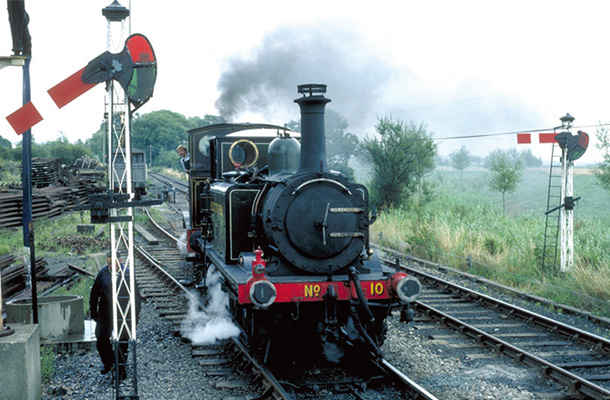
[313, 136]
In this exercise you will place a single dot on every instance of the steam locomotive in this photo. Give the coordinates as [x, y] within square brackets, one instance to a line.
[290, 238]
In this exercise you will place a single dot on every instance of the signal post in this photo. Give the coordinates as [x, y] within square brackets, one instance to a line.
[572, 148]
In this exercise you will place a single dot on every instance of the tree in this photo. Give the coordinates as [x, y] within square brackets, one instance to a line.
[400, 157]
[602, 172]
[208, 119]
[460, 160]
[64, 150]
[158, 133]
[5, 143]
[530, 160]
[505, 173]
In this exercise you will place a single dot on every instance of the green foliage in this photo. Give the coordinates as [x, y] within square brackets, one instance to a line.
[5, 143]
[10, 170]
[603, 169]
[97, 143]
[603, 172]
[197, 122]
[60, 148]
[399, 157]
[10, 240]
[158, 133]
[530, 160]
[505, 173]
[493, 246]
[460, 159]
[47, 358]
[341, 146]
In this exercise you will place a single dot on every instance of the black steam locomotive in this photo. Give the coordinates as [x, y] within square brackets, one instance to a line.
[290, 237]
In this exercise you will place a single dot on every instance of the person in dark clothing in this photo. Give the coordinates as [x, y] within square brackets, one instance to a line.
[100, 303]
[185, 159]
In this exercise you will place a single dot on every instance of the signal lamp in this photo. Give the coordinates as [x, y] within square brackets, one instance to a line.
[258, 264]
[258, 269]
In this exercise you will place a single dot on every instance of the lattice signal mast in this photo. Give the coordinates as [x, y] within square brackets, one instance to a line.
[118, 126]
[134, 68]
[572, 148]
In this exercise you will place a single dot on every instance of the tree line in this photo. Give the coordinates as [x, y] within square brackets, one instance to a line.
[393, 161]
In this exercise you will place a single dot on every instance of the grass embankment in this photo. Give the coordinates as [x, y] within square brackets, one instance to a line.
[58, 239]
[465, 220]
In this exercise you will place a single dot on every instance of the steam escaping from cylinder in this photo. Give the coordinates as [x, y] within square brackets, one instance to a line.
[181, 244]
[214, 323]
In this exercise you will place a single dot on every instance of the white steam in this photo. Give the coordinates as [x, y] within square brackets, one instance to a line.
[213, 323]
[181, 244]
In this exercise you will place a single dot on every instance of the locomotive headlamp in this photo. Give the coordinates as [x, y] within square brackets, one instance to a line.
[262, 293]
[408, 289]
[405, 287]
[258, 264]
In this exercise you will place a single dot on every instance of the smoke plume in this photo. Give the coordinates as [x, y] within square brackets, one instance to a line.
[364, 83]
[265, 82]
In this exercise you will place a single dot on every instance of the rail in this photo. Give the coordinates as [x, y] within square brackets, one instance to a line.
[417, 391]
[575, 383]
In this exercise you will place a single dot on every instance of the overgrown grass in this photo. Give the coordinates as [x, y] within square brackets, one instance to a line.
[10, 240]
[156, 214]
[49, 235]
[171, 172]
[10, 170]
[47, 358]
[465, 220]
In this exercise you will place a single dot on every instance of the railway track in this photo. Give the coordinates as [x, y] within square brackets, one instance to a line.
[164, 283]
[577, 359]
[168, 282]
[177, 184]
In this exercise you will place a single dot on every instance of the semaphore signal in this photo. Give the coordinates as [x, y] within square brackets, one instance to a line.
[572, 148]
[134, 69]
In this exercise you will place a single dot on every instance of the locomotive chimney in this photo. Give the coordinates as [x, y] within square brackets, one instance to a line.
[313, 137]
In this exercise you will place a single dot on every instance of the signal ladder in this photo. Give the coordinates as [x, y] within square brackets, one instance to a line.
[552, 223]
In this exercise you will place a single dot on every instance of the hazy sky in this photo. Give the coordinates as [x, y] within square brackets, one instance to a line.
[463, 68]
